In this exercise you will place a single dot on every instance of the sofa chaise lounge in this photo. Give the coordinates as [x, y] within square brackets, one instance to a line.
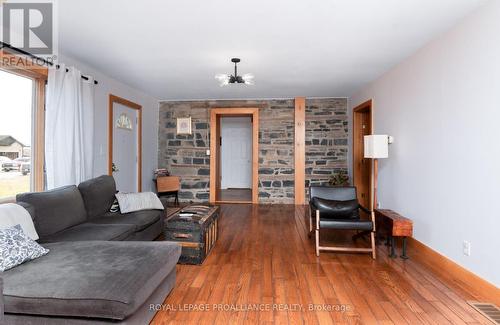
[100, 268]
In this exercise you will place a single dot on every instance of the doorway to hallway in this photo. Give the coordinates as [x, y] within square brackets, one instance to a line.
[236, 158]
[234, 153]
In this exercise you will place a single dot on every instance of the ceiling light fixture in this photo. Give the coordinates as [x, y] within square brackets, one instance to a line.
[226, 79]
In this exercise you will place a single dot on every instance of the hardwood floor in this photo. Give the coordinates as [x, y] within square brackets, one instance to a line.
[265, 257]
[236, 194]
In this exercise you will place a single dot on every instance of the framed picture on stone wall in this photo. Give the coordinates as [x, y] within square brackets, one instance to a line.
[184, 125]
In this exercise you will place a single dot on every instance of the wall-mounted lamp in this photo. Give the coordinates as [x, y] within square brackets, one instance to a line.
[376, 147]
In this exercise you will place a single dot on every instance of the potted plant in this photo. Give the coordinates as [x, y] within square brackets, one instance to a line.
[339, 178]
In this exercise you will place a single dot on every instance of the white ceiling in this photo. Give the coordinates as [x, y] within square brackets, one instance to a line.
[173, 49]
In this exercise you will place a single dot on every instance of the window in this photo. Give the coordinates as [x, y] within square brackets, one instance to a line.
[16, 101]
[22, 100]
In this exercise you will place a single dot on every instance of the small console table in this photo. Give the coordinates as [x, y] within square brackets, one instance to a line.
[168, 186]
[391, 224]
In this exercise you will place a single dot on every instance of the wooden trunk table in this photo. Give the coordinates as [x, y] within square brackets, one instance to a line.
[391, 224]
[196, 234]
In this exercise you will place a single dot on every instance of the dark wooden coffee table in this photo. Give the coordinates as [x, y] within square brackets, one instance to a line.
[195, 228]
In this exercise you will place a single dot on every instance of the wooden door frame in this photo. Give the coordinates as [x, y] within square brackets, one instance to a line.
[361, 108]
[119, 100]
[215, 115]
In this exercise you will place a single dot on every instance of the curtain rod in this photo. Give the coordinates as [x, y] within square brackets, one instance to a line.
[83, 77]
[3, 44]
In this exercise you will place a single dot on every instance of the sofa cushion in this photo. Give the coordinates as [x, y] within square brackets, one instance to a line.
[90, 279]
[56, 209]
[140, 219]
[89, 231]
[346, 224]
[98, 195]
[336, 209]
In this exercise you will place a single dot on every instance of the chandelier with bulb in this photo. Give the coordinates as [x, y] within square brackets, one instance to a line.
[226, 79]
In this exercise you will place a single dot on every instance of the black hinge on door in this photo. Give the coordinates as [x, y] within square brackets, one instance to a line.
[220, 141]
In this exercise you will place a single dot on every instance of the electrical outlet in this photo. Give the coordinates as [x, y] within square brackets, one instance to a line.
[208, 152]
[466, 248]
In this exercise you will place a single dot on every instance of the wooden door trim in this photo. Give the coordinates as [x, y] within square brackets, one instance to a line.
[119, 100]
[216, 113]
[38, 156]
[218, 169]
[300, 150]
[361, 108]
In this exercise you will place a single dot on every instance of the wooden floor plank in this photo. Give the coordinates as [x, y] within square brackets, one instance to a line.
[264, 261]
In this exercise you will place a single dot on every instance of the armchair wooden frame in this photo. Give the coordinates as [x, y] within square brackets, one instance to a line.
[319, 248]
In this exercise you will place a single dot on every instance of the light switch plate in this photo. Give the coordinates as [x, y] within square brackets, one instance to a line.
[466, 248]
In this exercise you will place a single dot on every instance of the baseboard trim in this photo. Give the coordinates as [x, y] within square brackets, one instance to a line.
[445, 267]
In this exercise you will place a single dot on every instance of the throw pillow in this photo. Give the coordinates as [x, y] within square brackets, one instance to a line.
[16, 248]
[131, 202]
[115, 207]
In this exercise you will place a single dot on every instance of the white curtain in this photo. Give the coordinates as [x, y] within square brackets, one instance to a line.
[69, 127]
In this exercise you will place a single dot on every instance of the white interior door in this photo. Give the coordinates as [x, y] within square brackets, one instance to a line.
[125, 144]
[236, 152]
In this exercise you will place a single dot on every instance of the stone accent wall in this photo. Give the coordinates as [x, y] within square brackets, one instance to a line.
[326, 147]
[185, 155]
[326, 139]
[276, 151]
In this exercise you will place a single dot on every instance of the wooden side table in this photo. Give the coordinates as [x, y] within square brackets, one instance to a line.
[169, 186]
[391, 224]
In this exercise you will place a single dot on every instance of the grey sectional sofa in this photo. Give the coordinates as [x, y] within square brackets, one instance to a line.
[100, 268]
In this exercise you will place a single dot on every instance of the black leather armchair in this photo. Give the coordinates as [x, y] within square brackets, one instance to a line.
[338, 208]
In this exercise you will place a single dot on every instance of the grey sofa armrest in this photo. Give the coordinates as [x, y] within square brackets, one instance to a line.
[1, 301]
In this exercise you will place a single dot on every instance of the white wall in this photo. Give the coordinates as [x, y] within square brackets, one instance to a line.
[106, 86]
[442, 105]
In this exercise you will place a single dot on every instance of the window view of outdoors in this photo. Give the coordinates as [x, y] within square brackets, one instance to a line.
[15, 134]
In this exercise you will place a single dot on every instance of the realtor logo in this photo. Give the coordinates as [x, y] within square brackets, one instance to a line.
[29, 26]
